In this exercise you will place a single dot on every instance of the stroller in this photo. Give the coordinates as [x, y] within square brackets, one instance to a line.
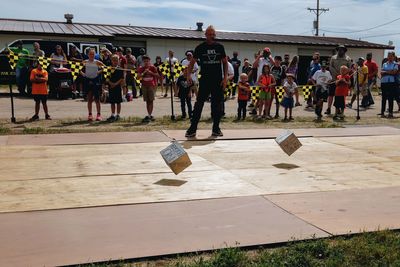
[62, 84]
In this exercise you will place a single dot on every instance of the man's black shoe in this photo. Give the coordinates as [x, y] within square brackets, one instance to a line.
[190, 133]
[217, 133]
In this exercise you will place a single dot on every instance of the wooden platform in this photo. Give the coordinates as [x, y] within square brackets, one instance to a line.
[104, 199]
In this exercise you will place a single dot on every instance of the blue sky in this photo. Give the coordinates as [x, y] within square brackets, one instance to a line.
[282, 17]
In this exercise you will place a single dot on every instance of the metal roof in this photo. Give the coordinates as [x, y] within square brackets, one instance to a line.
[104, 30]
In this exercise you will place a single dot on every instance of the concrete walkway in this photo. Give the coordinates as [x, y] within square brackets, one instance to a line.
[77, 198]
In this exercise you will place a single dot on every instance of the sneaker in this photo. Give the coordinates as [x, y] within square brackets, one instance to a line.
[34, 118]
[291, 118]
[268, 117]
[48, 117]
[298, 104]
[190, 133]
[165, 95]
[335, 118]
[183, 116]
[217, 133]
[90, 117]
[253, 112]
[99, 118]
[146, 119]
[348, 105]
[276, 116]
[117, 118]
[152, 118]
[111, 118]
[328, 111]
[390, 116]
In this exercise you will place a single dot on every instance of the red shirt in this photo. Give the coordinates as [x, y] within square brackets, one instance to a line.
[372, 67]
[122, 60]
[242, 93]
[148, 79]
[342, 89]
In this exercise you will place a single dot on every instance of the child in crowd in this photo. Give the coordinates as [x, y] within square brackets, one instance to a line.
[290, 89]
[149, 75]
[342, 90]
[115, 88]
[243, 95]
[321, 80]
[39, 78]
[185, 94]
[266, 83]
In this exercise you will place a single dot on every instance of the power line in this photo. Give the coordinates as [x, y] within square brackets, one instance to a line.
[364, 30]
[318, 11]
[381, 35]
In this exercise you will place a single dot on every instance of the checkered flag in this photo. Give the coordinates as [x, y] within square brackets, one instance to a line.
[107, 71]
[255, 92]
[13, 59]
[136, 77]
[44, 62]
[165, 70]
[306, 89]
[76, 68]
[178, 69]
[280, 91]
[229, 88]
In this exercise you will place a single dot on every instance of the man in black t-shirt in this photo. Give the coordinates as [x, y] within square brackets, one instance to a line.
[213, 80]
[236, 64]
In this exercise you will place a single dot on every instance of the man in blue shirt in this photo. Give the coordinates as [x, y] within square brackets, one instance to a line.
[389, 84]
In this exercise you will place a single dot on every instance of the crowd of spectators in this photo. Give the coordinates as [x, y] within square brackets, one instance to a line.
[333, 81]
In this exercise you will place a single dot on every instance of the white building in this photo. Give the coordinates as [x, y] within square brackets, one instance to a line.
[157, 41]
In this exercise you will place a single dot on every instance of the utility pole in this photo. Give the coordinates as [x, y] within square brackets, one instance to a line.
[317, 11]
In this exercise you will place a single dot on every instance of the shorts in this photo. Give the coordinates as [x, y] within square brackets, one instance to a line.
[265, 95]
[321, 94]
[288, 102]
[40, 98]
[115, 95]
[148, 93]
[339, 102]
[92, 85]
[332, 89]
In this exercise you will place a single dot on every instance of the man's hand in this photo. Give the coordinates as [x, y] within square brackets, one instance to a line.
[189, 80]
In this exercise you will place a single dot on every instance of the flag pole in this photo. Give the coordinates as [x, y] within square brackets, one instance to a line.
[171, 87]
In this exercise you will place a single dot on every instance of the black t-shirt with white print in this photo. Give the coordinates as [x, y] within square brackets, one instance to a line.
[210, 57]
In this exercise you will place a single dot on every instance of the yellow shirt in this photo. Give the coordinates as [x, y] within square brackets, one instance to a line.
[363, 71]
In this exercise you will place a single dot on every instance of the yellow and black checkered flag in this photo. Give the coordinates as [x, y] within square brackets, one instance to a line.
[178, 69]
[44, 62]
[164, 68]
[13, 59]
[229, 88]
[107, 71]
[255, 92]
[280, 91]
[76, 68]
[306, 89]
[136, 77]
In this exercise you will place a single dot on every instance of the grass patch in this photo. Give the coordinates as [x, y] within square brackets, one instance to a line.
[33, 130]
[133, 124]
[380, 248]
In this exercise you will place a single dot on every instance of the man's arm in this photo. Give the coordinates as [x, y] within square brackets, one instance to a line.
[190, 69]
[225, 65]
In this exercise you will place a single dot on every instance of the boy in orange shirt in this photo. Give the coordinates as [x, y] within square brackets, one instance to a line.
[39, 77]
[342, 90]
